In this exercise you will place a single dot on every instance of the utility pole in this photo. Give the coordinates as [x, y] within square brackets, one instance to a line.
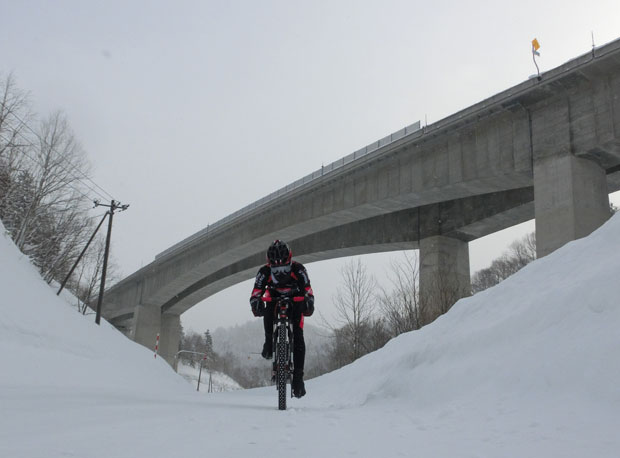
[114, 205]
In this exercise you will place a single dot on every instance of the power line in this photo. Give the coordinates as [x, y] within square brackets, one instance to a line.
[60, 165]
[96, 216]
[77, 178]
[66, 170]
[53, 149]
[62, 285]
[63, 181]
[23, 123]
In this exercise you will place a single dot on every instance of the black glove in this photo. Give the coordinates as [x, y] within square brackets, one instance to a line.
[258, 308]
[309, 309]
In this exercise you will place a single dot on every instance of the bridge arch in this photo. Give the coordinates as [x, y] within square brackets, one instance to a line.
[547, 148]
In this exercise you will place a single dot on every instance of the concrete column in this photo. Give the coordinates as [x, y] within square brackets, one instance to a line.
[146, 325]
[444, 275]
[571, 199]
[170, 336]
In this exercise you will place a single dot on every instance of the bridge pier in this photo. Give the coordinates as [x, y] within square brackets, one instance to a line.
[170, 336]
[571, 195]
[570, 200]
[148, 322]
[444, 275]
[146, 325]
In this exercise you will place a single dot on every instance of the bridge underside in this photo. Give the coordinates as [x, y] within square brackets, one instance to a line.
[463, 219]
[548, 148]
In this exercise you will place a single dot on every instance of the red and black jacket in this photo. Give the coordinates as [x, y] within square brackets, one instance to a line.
[267, 286]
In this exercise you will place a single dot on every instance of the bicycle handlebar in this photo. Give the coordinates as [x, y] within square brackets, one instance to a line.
[297, 296]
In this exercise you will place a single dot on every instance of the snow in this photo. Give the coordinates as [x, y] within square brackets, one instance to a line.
[529, 368]
[219, 381]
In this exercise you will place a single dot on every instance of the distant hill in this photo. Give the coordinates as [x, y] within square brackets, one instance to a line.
[245, 342]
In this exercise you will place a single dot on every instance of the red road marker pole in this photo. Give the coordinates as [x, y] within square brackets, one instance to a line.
[156, 345]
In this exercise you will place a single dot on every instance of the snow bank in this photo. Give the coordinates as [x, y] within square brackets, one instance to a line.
[551, 331]
[47, 345]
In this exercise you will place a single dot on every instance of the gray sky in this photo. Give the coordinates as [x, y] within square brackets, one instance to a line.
[190, 110]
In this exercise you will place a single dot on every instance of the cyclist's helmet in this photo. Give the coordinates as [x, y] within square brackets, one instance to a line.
[279, 254]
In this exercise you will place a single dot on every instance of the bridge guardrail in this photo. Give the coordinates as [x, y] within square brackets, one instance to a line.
[323, 171]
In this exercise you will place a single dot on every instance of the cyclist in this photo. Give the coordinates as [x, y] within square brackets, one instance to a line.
[283, 276]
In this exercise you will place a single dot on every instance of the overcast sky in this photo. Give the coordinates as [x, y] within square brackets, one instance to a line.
[190, 110]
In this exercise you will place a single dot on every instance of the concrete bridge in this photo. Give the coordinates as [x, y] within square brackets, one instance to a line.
[547, 148]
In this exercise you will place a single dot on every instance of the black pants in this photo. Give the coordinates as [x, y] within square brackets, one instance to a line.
[299, 345]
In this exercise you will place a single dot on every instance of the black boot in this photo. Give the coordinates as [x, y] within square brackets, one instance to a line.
[299, 389]
[267, 352]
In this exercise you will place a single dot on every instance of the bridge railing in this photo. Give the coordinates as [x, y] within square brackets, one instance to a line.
[323, 171]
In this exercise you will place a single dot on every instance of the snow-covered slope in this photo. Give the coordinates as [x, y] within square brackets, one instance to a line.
[219, 381]
[46, 344]
[548, 333]
[528, 368]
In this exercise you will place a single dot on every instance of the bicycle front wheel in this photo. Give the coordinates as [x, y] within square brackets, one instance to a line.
[281, 369]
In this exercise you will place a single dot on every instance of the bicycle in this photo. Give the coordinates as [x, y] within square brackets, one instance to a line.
[283, 363]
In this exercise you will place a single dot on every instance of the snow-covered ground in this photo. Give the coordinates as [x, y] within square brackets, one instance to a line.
[530, 368]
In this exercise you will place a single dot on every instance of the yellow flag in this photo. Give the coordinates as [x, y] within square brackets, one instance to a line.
[535, 45]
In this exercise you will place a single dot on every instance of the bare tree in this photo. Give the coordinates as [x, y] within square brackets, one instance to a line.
[354, 304]
[520, 253]
[13, 141]
[523, 251]
[57, 156]
[48, 211]
[14, 108]
[441, 292]
[43, 201]
[400, 304]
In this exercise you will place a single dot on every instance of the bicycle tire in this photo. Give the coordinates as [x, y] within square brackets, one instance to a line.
[281, 368]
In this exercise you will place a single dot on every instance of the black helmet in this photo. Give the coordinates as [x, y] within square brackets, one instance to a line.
[279, 254]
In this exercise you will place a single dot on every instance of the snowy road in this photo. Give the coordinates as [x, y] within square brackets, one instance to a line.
[52, 423]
